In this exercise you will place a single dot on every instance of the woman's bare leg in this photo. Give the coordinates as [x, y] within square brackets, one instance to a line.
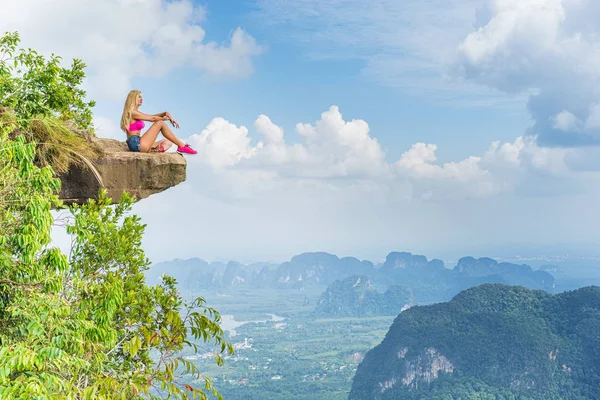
[147, 140]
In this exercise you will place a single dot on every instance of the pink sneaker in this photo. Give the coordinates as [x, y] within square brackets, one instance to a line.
[186, 149]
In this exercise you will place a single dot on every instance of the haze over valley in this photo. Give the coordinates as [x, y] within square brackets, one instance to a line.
[303, 328]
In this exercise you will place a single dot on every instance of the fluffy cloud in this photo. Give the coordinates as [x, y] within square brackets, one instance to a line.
[418, 162]
[505, 168]
[120, 39]
[335, 153]
[233, 61]
[222, 144]
[550, 47]
[332, 148]
[460, 179]
[565, 121]
[347, 147]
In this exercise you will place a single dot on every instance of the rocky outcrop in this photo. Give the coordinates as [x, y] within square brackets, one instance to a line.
[426, 368]
[119, 170]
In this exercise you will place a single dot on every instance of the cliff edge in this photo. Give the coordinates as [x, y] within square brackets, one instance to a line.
[120, 170]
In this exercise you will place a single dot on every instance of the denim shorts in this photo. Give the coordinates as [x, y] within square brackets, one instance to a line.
[133, 142]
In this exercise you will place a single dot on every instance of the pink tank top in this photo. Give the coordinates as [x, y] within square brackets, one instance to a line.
[137, 125]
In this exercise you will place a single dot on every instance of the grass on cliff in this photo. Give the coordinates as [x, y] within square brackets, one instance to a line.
[57, 143]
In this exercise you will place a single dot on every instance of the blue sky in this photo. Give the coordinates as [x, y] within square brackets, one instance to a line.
[446, 127]
[291, 85]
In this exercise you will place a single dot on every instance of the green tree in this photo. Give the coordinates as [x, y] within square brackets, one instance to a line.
[45, 104]
[35, 87]
[85, 325]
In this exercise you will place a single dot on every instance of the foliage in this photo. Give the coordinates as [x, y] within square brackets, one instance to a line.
[56, 144]
[86, 326]
[43, 102]
[35, 87]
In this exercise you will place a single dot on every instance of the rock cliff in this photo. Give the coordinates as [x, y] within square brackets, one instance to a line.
[120, 170]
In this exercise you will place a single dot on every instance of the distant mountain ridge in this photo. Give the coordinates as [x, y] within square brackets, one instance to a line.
[429, 280]
[197, 273]
[490, 341]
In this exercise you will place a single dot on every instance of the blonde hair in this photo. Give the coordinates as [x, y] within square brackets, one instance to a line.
[130, 106]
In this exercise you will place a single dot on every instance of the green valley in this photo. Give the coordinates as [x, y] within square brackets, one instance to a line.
[301, 330]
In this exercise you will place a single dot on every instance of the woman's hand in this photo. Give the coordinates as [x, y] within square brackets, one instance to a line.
[170, 118]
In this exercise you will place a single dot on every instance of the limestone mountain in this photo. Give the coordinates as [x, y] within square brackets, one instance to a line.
[431, 281]
[508, 273]
[195, 273]
[404, 260]
[490, 341]
[320, 267]
[355, 297]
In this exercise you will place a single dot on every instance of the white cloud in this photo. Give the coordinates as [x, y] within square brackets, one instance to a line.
[529, 29]
[462, 179]
[334, 153]
[271, 132]
[345, 147]
[550, 47]
[507, 154]
[222, 144]
[120, 39]
[332, 148]
[419, 155]
[275, 150]
[232, 61]
[524, 155]
[565, 121]
[418, 161]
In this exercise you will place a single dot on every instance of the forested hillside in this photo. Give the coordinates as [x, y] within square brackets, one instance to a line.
[490, 342]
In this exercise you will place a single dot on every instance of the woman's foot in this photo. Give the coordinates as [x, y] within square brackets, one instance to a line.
[157, 149]
[186, 149]
[161, 146]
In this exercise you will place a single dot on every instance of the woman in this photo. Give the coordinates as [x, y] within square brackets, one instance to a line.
[132, 123]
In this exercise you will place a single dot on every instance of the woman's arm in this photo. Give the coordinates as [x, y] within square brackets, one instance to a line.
[155, 117]
[148, 117]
